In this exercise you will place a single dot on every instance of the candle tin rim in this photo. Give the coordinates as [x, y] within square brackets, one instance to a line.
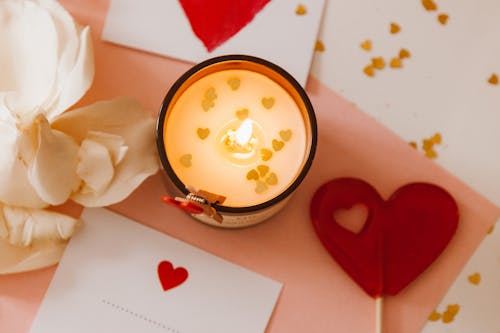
[245, 58]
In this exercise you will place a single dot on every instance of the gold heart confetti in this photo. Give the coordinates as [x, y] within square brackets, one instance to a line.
[443, 18]
[266, 154]
[450, 313]
[207, 104]
[210, 93]
[278, 145]
[366, 45]
[493, 79]
[286, 135]
[252, 174]
[319, 46]
[490, 230]
[396, 63]
[268, 102]
[263, 170]
[395, 28]
[474, 278]
[186, 160]
[378, 63]
[404, 53]
[234, 83]
[429, 5]
[368, 70]
[242, 114]
[272, 179]
[434, 316]
[203, 133]
[301, 10]
[261, 187]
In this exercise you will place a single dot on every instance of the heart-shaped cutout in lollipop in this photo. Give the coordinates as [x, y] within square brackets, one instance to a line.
[400, 238]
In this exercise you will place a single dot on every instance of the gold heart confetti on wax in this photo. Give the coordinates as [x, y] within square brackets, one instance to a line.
[429, 5]
[266, 154]
[301, 10]
[252, 175]
[186, 160]
[261, 187]
[493, 79]
[396, 63]
[263, 170]
[286, 135]
[272, 179]
[203, 133]
[268, 102]
[210, 93]
[443, 18]
[278, 145]
[207, 104]
[242, 114]
[366, 45]
[474, 278]
[395, 28]
[234, 83]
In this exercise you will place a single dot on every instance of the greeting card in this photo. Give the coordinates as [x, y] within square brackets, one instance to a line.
[119, 276]
[280, 31]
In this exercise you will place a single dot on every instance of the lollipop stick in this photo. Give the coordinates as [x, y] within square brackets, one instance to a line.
[378, 314]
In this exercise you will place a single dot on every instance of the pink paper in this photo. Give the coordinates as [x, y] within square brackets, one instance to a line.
[317, 295]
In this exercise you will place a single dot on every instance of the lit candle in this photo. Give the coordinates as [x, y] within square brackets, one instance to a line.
[240, 129]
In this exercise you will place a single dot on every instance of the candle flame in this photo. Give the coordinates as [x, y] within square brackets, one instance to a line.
[244, 132]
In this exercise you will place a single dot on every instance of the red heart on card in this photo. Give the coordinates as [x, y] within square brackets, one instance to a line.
[400, 238]
[214, 22]
[169, 276]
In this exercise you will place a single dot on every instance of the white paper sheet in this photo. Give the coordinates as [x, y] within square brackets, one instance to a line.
[276, 33]
[108, 281]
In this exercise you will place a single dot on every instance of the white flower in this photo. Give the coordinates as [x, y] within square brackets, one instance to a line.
[95, 155]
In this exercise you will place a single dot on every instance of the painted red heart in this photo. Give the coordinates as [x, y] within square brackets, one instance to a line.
[214, 22]
[169, 276]
[400, 238]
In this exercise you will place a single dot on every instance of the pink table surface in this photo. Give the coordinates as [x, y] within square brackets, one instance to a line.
[317, 295]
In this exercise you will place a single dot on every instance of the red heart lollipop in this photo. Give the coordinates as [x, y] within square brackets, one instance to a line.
[214, 22]
[400, 238]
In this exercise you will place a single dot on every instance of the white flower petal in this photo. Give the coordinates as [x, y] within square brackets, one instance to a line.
[95, 167]
[123, 117]
[53, 170]
[114, 143]
[28, 60]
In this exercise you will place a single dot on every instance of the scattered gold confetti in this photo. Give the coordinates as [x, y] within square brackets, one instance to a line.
[210, 93]
[319, 46]
[368, 70]
[434, 316]
[268, 102]
[242, 114]
[404, 53]
[395, 28]
[366, 45]
[234, 83]
[436, 138]
[396, 63]
[301, 10]
[431, 153]
[493, 79]
[261, 186]
[286, 135]
[272, 179]
[413, 144]
[449, 315]
[207, 104]
[443, 18]
[474, 278]
[186, 160]
[429, 5]
[428, 145]
[203, 133]
[278, 145]
[266, 154]
[378, 62]
[208, 101]
[263, 170]
[490, 230]
[252, 174]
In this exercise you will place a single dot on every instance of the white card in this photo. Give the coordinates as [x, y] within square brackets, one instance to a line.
[276, 33]
[108, 281]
